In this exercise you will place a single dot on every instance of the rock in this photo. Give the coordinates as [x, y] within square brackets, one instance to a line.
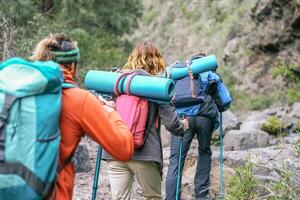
[252, 125]
[296, 110]
[259, 116]
[264, 179]
[81, 159]
[245, 139]
[292, 139]
[287, 121]
[230, 121]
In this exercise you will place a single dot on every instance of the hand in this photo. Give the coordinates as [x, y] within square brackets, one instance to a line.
[107, 105]
[185, 123]
[108, 108]
[101, 99]
[111, 104]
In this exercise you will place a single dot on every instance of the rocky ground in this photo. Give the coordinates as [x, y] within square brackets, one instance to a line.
[244, 140]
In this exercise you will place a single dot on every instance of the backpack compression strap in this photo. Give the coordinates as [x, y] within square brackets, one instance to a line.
[191, 79]
[8, 102]
[121, 77]
[171, 67]
[130, 77]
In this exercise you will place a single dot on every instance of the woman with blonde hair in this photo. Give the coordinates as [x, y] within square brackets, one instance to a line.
[147, 162]
[81, 113]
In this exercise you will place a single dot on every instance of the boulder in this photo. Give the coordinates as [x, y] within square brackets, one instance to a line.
[295, 113]
[252, 125]
[230, 121]
[259, 115]
[245, 139]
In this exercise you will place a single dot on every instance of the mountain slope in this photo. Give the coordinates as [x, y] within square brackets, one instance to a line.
[251, 38]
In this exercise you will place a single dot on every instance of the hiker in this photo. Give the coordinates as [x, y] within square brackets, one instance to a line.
[203, 120]
[147, 162]
[81, 113]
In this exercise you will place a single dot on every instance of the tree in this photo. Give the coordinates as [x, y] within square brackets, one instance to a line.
[97, 25]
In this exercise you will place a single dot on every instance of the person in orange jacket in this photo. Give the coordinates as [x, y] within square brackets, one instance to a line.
[81, 113]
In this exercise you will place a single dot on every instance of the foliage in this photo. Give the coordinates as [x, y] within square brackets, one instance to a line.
[294, 80]
[273, 126]
[285, 71]
[97, 26]
[242, 185]
[284, 187]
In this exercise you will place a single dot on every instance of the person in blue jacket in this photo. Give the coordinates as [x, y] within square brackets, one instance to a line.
[203, 120]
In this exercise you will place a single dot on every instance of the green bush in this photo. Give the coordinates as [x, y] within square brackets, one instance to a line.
[273, 126]
[293, 94]
[284, 188]
[242, 186]
[284, 71]
[259, 102]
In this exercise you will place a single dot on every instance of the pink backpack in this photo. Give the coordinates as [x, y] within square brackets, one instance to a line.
[133, 110]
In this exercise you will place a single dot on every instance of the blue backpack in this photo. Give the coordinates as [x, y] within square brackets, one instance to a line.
[219, 92]
[30, 105]
[188, 90]
[206, 83]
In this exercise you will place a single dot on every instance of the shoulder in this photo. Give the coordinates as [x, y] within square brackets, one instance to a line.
[75, 95]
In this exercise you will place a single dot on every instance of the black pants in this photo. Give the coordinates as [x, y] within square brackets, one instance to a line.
[202, 127]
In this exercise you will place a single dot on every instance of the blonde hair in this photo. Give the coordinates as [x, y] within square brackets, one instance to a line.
[55, 42]
[147, 57]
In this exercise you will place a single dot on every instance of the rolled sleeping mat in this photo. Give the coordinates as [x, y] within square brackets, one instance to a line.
[199, 65]
[152, 88]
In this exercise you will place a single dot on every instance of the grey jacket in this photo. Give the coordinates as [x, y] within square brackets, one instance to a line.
[152, 149]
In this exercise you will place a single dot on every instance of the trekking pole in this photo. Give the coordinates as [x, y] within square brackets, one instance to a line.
[97, 172]
[221, 158]
[179, 169]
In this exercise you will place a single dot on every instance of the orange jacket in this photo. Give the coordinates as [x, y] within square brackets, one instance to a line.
[83, 113]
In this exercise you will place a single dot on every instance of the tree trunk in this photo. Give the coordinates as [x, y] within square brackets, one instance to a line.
[7, 33]
[47, 6]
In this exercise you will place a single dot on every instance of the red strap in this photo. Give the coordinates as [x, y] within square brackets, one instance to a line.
[116, 88]
[130, 77]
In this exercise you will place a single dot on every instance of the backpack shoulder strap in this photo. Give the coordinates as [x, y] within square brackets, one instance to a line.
[8, 102]
[68, 85]
[171, 67]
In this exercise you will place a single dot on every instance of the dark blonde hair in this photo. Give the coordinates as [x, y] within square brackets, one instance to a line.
[147, 57]
[55, 47]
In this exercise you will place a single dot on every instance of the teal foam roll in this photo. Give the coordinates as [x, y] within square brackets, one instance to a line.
[199, 65]
[152, 88]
